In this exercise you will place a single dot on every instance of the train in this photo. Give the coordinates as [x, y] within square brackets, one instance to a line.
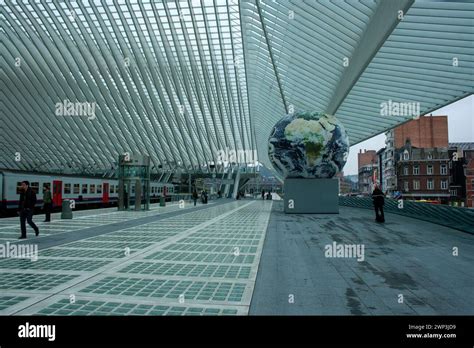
[87, 192]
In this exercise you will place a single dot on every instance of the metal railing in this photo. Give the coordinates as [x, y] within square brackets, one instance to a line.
[461, 219]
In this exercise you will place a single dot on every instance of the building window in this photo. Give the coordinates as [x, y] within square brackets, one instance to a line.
[454, 193]
[430, 184]
[405, 170]
[430, 155]
[67, 189]
[406, 156]
[444, 169]
[46, 185]
[416, 184]
[472, 184]
[416, 170]
[35, 187]
[429, 170]
[444, 184]
[76, 189]
[405, 186]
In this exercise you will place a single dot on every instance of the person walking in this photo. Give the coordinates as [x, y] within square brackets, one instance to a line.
[26, 207]
[47, 204]
[378, 198]
[195, 197]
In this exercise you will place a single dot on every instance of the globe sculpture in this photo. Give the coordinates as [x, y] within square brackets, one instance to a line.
[308, 145]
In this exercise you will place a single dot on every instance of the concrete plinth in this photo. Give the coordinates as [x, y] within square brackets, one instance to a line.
[311, 196]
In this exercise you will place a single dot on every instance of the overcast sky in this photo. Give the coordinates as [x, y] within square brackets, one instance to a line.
[460, 127]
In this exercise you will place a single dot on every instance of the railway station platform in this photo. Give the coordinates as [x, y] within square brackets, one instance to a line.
[236, 258]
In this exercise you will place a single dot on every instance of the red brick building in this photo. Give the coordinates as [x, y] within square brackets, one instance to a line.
[423, 173]
[425, 132]
[367, 167]
[469, 173]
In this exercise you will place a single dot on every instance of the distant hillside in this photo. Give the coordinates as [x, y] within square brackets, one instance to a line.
[265, 172]
[353, 177]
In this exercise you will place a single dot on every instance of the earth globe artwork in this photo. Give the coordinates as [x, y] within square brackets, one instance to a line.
[308, 145]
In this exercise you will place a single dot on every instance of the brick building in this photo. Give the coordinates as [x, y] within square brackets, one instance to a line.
[424, 132]
[423, 173]
[460, 155]
[345, 185]
[469, 174]
[367, 170]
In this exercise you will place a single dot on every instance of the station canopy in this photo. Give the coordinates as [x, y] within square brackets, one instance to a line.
[85, 81]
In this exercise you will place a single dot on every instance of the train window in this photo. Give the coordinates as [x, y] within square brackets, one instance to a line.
[160, 189]
[111, 188]
[67, 189]
[116, 188]
[133, 188]
[76, 189]
[84, 188]
[91, 188]
[99, 188]
[46, 185]
[35, 187]
[18, 187]
[171, 189]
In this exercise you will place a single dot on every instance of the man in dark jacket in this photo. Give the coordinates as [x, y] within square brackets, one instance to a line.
[47, 204]
[26, 207]
[379, 201]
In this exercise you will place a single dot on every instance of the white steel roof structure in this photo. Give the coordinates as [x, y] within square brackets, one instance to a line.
[181, 80]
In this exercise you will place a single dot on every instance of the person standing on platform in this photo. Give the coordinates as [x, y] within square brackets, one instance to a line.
[195, 197]
[379, 200]
[263, 194]
[26, 207]
[47, 204]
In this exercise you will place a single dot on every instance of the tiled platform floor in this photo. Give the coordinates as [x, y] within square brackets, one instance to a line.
[200, 262]
[10, 227]
[204, 261]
